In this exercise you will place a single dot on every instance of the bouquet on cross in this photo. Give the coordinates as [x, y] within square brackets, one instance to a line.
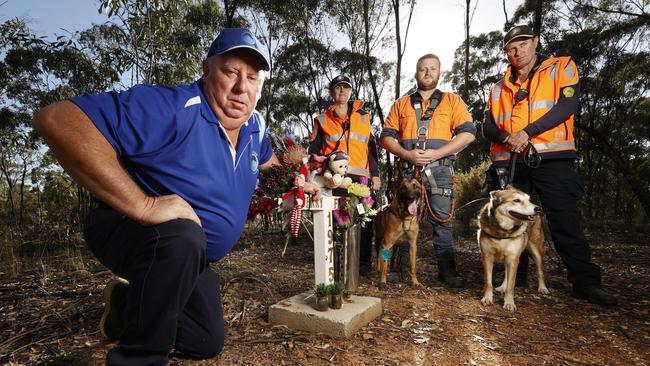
[355, 209]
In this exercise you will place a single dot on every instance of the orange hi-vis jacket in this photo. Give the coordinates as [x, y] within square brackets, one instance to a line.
[450, 118]
[352, 138]
[544, 90]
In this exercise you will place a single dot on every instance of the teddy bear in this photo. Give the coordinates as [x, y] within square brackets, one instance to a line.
[335, 170]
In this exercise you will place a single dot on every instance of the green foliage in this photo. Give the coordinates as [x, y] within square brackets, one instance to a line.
[468, 202]
[335, 288]
[321, 290]
[469, 184]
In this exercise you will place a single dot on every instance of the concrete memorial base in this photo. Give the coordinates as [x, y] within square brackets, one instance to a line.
[298, 312]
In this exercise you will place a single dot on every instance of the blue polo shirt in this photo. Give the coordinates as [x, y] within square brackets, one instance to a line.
[170, 142]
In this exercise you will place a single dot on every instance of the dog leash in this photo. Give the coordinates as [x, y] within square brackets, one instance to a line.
[425, 198]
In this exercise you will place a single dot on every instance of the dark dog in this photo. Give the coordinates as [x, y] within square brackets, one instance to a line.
[397, 224]
[508, 225]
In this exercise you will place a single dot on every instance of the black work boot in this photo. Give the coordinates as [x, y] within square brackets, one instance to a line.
[595, 295]
[447, 273]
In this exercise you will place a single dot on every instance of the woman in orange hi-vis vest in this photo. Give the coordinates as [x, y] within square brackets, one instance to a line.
[532, 110]
[346, 126]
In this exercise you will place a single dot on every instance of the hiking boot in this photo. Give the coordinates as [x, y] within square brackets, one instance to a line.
[112, 323]
[595, 295]
[447, 273]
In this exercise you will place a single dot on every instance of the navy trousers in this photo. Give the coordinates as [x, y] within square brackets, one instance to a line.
[174, 299]
[559, 188]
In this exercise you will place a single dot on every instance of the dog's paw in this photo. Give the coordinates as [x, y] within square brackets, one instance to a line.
[487, 300]
[509, 305]
[543, 290]
[416, 283]
[501, 289]
[381, 285]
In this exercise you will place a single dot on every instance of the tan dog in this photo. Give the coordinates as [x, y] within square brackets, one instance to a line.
[397, 224]
[508, 224]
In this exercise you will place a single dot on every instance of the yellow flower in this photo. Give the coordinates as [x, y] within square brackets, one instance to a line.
[359, 190]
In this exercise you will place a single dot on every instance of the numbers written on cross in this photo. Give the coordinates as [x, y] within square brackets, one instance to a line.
[323, 238]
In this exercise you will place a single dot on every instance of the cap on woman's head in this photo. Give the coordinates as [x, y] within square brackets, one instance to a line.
[341, 79]
[233, 38]
[516, 33]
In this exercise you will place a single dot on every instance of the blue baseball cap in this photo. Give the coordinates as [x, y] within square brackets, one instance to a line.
[233, 38]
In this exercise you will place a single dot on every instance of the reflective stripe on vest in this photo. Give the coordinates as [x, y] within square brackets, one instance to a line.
[547, 147]
[358, 171]
[354, 135]
[334, 138]
[551, 146]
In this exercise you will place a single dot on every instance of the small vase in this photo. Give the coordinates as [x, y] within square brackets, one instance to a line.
[322, 303]
[336, 301]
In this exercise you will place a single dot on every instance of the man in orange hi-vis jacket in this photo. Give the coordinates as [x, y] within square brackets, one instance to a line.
[529, 122]
[427, 129]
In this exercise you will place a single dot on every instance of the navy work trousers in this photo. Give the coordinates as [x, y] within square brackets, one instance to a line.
[559, 188]
[174, 299]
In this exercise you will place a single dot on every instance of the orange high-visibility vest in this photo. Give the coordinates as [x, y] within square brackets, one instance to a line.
[543, 93]
[354, 140]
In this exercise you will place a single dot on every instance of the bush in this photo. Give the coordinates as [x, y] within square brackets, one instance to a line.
[469, 187]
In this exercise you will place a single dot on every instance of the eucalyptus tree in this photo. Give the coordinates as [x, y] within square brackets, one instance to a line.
[162, 42]
[485, 66]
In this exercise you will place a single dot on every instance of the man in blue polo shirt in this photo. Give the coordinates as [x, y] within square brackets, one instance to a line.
[173, 170]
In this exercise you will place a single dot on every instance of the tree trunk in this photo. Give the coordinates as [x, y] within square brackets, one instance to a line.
[398, 67]
[22, 193]
[371, 75]
[465, 91]
[10, 187]
[537, 23]
[229, 8]
[398, 48]
[505, 14]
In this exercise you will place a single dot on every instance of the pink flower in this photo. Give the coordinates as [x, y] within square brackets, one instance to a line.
[363, 180]
[368, 201]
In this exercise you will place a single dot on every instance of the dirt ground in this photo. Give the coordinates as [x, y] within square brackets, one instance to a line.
[50, 311]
